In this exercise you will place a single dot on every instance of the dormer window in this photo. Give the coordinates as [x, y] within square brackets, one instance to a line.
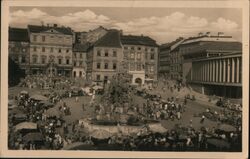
[51, 31]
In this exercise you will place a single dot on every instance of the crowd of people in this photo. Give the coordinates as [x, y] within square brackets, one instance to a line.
[57, 132]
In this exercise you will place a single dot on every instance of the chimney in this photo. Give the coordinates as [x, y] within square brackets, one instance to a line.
[220, 33]
[200, 34]
[55, 25]
[208, 33]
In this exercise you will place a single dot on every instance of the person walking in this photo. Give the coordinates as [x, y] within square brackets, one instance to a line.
[202, 119]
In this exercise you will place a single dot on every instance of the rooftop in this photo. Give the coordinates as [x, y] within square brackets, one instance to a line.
[38, 29]
[110, 39]
[80, 47]
[18, 34]
[138, 40]
[218, 47]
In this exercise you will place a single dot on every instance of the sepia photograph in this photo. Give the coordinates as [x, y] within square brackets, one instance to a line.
[125, 77]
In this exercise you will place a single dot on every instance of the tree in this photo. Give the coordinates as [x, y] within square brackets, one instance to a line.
[15, 73]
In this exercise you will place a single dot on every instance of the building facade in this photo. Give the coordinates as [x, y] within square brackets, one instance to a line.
[210, 67]
[164, 61]
[19, 47]
[141, 58]
[220, 76]
[91, 36]
[50, 50]
[79, 60]
[104, 58]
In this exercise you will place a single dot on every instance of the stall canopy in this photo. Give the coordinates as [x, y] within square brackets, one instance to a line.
[227, 127]
[26, 125]
[39, 97]
[101, 134]
[33, 137]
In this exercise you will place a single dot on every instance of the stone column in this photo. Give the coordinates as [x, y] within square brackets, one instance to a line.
[220, 68]
[228, 70]
[233, 70]
[211, 71]
[224, 70]
[214, 69]
[237, 69]
[217, 71]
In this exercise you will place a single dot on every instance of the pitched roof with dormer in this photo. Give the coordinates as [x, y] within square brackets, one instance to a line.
[39, 29]
[138, 40]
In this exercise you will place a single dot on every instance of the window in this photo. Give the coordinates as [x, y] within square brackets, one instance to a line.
[80, 73]
[106, 66]
[43, 60]
[125, 48]
[132, 55]
[80, 55]
[138, 55]
[152, 68]
[67, 61]
[105, 78]
[98, 53]
[59, 61]
[80, 63]
[114, 53]
[34, 49]
[146, 55]
[114, 66]
[139, 48]
[152, 56]
[74, 63]
[132, 66]
[146, 49]
[98, 65]
[138, 67]
[43, 38]
[43, 49]
[23, 50]
[59, 50]
[34, 37]
[98, 77]
[23, 59]
[51, 49]
[106, 53]
[34, 59]
[67, 50]
[132, 48]
[152, 49]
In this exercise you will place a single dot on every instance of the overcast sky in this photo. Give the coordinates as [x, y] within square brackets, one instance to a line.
[162, 24]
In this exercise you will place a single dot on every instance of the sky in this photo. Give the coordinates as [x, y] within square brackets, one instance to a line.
[162, 24]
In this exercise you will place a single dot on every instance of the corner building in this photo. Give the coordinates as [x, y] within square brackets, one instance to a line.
[50, 50]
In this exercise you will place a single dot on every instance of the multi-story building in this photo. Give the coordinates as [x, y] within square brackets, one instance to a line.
[79, 60]
[19, 47]
[221, 75]
[91, 36]
[104, 57]
[140, 57]
[214, 68]
[170, 60]
[50, 50]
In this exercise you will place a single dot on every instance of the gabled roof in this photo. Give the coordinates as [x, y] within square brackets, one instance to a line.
[138, 40]
[110, 39]
[80, 47]
[38, 29]
[18, 34]
[218, 47]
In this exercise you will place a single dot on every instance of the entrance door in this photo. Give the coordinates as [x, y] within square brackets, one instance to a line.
[138, 81]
